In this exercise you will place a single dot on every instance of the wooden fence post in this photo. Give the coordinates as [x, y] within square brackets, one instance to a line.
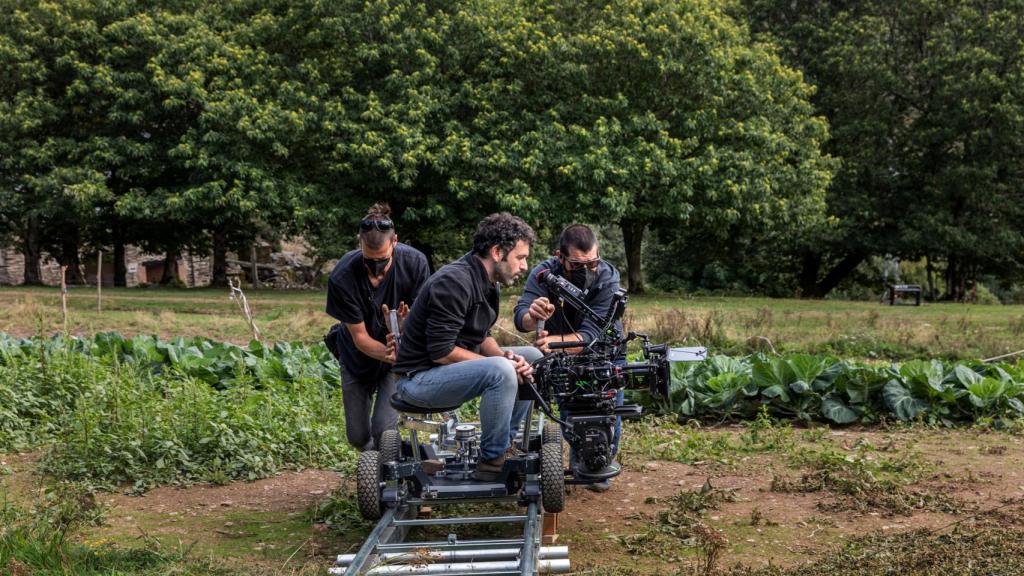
[64, 296]
[99, 281]
[255, 269]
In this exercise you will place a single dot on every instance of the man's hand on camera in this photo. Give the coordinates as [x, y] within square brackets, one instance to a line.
[541, 308]
[543, 343]
[523, 369]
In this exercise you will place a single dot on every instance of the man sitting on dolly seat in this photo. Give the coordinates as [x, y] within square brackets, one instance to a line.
[447, 355]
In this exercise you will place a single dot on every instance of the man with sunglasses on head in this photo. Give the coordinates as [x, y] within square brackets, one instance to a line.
[577, 260]
[381, 275]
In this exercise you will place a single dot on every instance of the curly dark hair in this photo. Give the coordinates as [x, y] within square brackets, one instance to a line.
[502, 230]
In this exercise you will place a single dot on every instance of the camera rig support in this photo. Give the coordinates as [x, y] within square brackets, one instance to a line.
[584, 379]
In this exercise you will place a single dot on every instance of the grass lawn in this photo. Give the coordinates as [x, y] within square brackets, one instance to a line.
[865, 330]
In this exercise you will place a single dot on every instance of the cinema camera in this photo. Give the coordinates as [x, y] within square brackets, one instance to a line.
[586, 381]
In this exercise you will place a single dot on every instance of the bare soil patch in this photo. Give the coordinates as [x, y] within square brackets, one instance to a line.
[265, 522]
[286, 492]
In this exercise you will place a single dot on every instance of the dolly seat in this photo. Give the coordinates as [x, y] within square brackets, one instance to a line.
[402, 406]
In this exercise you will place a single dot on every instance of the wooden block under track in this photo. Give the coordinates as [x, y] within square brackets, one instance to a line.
[549, 534]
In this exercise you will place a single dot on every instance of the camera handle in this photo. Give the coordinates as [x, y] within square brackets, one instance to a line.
[570, 294]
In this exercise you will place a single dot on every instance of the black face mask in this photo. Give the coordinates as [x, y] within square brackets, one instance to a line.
[582, 278]
[376, 267]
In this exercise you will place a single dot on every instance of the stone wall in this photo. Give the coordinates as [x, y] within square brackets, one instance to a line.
[12, 266]
[194, 270]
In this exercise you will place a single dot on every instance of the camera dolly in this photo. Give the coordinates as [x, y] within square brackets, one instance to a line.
[435, 467]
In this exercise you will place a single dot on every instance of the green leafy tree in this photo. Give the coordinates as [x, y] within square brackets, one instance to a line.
[246, 112]
[48, 176]
[925, 103]
[644, 113]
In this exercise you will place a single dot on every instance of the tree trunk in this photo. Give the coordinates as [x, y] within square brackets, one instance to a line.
[931, 278]
[810, 267]
[633, 238]
[220, 259]
[120, 269]
[954, 279]
[836, 275]
[33, 272]
[170, 267]
[69, 257]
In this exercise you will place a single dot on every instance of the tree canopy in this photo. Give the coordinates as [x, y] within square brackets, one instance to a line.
[925, 103]
[780, 142]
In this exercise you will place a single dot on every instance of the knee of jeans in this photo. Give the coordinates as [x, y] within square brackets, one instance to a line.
[502, 371]
[531, 354]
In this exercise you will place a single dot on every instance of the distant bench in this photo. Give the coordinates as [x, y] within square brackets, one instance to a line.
[902, 292]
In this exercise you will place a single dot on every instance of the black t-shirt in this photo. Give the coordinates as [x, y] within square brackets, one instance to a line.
[351, 299]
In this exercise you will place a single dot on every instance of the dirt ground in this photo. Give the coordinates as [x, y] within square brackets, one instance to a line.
[267, 521]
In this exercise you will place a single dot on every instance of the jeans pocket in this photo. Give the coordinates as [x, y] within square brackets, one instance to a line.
[413, 398]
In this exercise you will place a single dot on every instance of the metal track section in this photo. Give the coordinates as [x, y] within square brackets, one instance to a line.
[385, 551]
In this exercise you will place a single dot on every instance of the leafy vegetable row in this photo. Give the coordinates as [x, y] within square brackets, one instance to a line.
[824, 388]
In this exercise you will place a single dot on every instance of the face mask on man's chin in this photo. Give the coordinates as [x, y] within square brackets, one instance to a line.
[376, 267]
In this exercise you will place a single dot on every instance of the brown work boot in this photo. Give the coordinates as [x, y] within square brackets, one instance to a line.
[489, 470]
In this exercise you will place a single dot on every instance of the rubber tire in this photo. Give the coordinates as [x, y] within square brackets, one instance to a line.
[552, 477]
[552, 433]
[368, 485]
[390, 446]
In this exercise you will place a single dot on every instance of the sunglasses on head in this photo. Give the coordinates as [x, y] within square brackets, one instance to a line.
[381, 225]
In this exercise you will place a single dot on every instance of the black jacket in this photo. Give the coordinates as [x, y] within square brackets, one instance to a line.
[567, 320]
[455, 307]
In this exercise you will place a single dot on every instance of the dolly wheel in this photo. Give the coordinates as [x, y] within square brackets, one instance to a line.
[390, 446]
[552, 433]
[552, 477]
[368, 485]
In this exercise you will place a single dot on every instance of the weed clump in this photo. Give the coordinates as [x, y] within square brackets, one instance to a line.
[680, 525]
[144, 412]
[862, 485]
[965, 551]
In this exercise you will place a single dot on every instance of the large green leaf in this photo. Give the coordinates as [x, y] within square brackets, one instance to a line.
[924, 377]
[726, 388]
[901, 402]
[776, 392]
[818, 372]
[800, 387]
[965, 376]
[835, 410]
[985, 392]
[863, 384]
[768, 373]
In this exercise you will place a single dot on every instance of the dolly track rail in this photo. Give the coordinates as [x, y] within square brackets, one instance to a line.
[385, 550]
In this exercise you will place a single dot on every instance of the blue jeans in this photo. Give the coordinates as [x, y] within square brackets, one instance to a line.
[492, 379]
